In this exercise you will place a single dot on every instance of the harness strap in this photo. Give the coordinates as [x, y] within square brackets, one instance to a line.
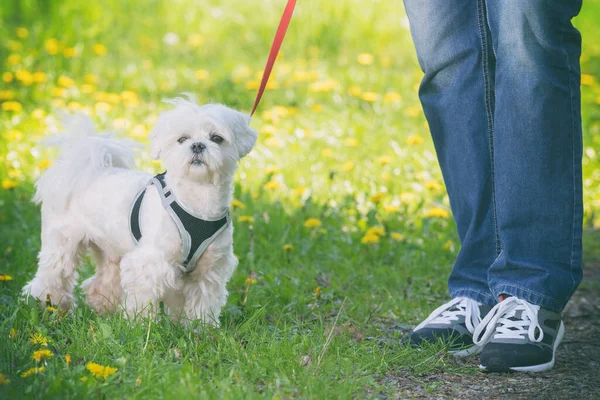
[196, 233]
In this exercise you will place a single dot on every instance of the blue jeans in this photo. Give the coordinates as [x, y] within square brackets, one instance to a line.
[501, 93]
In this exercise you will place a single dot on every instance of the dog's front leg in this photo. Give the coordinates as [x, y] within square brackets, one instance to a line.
[145, 276]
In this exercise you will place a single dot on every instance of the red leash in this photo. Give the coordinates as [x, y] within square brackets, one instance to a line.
[279, 35]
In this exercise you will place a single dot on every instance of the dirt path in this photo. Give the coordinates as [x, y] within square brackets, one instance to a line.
[576, 374]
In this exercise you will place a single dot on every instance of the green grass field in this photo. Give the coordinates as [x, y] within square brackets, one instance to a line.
[343, 226]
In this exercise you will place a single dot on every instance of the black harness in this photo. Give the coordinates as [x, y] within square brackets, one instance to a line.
[196, 233]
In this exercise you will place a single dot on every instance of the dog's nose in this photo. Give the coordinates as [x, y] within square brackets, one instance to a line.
[198, 147]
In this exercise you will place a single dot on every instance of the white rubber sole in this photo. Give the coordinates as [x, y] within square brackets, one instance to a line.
[545, 366]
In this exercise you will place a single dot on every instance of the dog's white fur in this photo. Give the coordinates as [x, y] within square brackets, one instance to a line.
[86, 198]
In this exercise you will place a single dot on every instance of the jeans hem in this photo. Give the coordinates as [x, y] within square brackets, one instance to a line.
[482, 298]
[531, 296]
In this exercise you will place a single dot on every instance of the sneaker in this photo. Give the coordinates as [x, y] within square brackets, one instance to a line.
[453, 323]
[518, 336]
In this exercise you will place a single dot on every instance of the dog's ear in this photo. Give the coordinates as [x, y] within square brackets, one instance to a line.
[245, 136]
[157, 137]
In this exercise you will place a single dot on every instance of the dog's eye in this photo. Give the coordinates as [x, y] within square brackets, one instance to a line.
[216, 139]
[182, 139]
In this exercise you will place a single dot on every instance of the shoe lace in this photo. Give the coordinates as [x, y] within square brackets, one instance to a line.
[506, 323]
[451, 311]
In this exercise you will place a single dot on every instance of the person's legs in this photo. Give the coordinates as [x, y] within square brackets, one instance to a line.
[537, 150]
[453, 48]
[537, 165]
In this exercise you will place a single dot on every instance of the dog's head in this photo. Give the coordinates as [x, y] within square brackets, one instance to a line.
[201, 143]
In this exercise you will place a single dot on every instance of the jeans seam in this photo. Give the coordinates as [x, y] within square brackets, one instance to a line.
[484, 295]
[504, 286]
[572, 260]
[488, 109]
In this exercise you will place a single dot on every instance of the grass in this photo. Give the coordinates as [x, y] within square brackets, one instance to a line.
[314, 311]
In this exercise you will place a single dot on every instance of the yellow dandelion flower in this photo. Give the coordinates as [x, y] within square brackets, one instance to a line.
[22, 32]
[312, 223]
[32, 371]
[386, 61]
[437, 212]
[272, 185]
[6, 94]
[52, 46]
[7, 77]
[39, 77]
[5, 277]
[90, 78]
[323, 86]
[415, 139]
[15, 173]
[301, 76]
[347, 166]
[327, 152]
[318, 291]
[68, 359]
[24, 76]
[588, 80]
[59, 92]
[37, 338]
[245, 218]
[432, 185]
[102, 107]
[413, 111]
[129, 97]
[40, 355]
[69, 52]
[355, 91]
[449, 245]
[138, 381]
[139, 131]
[317, 108]
[13, 59]
[65, 81]
[13, 333]
[237, 204]
[397, 236]
[268, 130]
[100, 371]
[299, 191]
[87, 88]
[369, 239]
[384, 160]
[377, 197]
[376, 230]
[195, 40]
[351, 142]
[391, 208]
[365, 59]
[271, 170]
[370, 97]
[4, 380]
[38, 113]
[9, 184]
[202, 74]
[99, 49]
[287, 247]
[51, 309]
[253, 84]
[392, 97]
[73, 105]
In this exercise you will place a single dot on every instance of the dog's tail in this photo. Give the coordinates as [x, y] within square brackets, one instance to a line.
[84, 155]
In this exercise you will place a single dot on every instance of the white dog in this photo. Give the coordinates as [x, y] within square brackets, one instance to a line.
[89, 202]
